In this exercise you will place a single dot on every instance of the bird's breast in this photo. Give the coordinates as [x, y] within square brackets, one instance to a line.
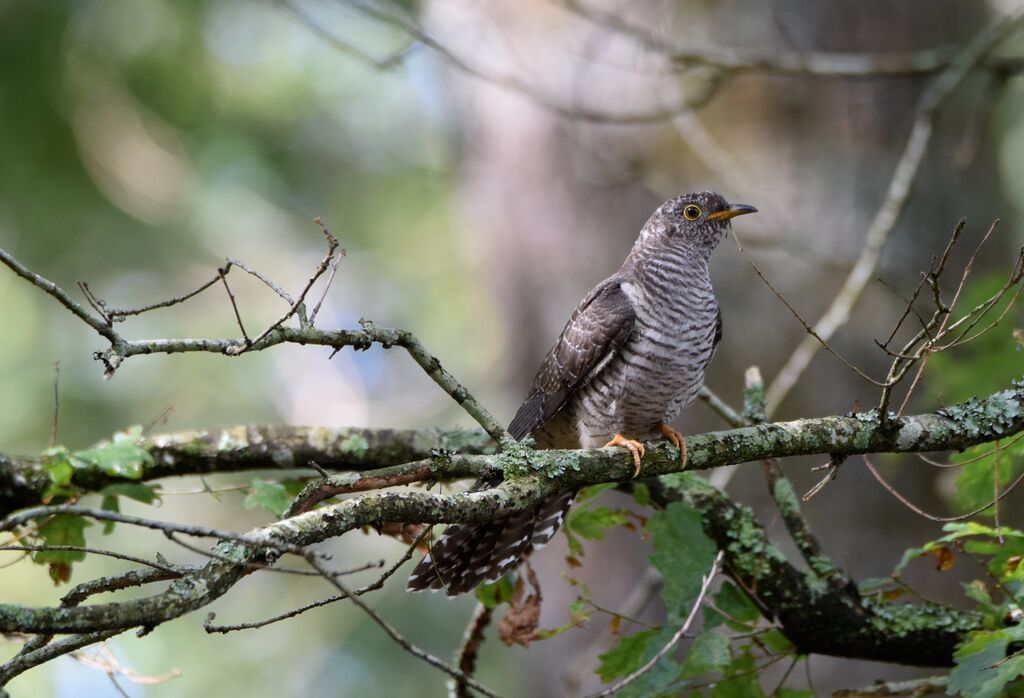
[658, 371]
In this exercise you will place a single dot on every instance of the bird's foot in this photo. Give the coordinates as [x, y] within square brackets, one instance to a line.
[634, 447]
[677, 439]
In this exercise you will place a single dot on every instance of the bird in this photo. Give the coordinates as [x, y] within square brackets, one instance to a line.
[631, 357]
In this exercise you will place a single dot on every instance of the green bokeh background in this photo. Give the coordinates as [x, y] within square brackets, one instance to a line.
[144, 141]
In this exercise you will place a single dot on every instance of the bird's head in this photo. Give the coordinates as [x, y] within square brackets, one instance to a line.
[696, 220]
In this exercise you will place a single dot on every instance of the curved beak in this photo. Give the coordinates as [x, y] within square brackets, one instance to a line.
[731, 212]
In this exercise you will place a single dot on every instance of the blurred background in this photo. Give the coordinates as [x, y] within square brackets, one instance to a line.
[482, 176]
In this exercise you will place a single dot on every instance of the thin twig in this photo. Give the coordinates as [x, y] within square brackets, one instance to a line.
[375, 564]
[332, 246]
[888, 213]
[374, 586]
[266, 282]
[62, 297]
[327, 285]
[223, 272]
[119, 314]
[393, 633]
[942, 519]
[90, 551]
[705, 585]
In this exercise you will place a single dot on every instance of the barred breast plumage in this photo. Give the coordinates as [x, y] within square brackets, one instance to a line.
[630, 359]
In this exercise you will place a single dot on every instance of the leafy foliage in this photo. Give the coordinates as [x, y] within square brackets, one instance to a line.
[983, 669]
[272, 495]
[975, 486]
[62, 530]
[591, 522]
[683, 555]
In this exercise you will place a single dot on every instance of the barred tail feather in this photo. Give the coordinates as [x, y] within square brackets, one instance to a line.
[470, 554]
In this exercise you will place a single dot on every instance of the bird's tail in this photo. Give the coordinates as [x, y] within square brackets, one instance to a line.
[469, 554]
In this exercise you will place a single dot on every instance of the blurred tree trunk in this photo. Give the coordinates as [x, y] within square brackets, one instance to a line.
[557, 202]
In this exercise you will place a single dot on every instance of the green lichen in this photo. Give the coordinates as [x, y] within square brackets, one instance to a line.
[822, 566]
[785, 498]
[457, 440]
[753, 403]
[995, 416]
[520, 460]
[516, 458]
[902, 620]
[355, 444]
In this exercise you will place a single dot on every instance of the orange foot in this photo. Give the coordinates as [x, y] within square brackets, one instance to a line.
[677, 440]
[634, 447]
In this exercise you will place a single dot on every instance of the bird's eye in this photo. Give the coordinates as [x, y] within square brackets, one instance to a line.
[692, 212]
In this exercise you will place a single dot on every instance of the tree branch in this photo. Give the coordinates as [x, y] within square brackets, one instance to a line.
[811, 614]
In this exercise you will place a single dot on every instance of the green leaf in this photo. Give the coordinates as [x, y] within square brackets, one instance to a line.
[873, 584]
[633, 652]
[60, 473]
[642, 494]
[683, 554]
[270, 495]
[120, 458]
[741, 680]
[977, 674]
[592, 524]
[588, 493]
[626, 657]
[147, 494]
[974, 485]
[733, 602]
[775, 641]
[109, 503]
[496, 593]
[63, 529]
[708, 652]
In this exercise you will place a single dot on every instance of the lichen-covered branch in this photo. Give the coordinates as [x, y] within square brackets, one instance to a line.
[816, 617]
[23, 481]
[804, 606]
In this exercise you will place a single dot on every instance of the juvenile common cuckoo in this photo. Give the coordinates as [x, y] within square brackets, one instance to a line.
[630, 359]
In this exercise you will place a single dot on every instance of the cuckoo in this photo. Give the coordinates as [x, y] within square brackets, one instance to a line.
[630, 359]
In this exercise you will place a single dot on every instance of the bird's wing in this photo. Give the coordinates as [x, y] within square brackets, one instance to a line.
[598, 327]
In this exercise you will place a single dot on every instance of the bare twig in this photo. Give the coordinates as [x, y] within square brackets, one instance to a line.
[263, 279]
[374, 586]
[234, 306]
[393, 633]
[327, 285]
[892, 205]
[91, 551]
[332, 247]
[808, 64]
[62, 297]
[721, 408]
[119, 314]
[942, 519]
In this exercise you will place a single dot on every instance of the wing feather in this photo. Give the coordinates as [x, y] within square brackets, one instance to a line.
[597, 329]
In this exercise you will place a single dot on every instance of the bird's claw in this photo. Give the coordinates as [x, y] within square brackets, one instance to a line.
[677, 440]
[634, 447]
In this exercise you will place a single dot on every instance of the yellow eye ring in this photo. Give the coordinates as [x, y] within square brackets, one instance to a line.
[692, 212]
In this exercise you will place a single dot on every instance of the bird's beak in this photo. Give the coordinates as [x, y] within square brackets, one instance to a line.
[731, 212]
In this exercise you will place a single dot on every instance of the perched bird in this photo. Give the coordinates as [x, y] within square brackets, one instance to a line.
[630, 359]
